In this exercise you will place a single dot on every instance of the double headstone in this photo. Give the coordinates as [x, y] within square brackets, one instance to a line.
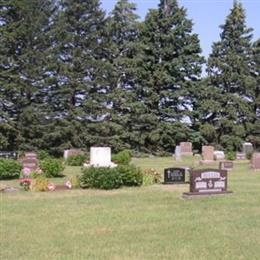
[207, 182]
[255, 161]
[240, 156]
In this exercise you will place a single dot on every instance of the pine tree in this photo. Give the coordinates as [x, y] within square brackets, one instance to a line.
[23, 43]
[125, 56]
[79, 72]
[172, 72]
[229, 73]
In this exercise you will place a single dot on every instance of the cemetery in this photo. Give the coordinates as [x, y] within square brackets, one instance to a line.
[129, 129]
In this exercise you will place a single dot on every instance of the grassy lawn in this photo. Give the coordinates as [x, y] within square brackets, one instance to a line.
[134, 223]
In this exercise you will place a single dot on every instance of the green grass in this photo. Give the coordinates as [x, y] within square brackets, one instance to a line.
[134, 223]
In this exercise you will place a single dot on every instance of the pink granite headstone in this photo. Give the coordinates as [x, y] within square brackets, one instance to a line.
[208, 153]
[186, 148]
[255, 161]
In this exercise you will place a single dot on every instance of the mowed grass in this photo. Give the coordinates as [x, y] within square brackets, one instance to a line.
[134, 223]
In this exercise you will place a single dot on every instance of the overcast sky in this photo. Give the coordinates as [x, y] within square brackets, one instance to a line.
[207, 15]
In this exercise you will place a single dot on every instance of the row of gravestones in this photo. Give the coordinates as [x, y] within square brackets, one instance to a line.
[202, 182]
[209, 154]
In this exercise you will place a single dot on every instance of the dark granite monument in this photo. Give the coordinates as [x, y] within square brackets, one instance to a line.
[226, 165]
[207, 182]
[8, 155]
[174, 175]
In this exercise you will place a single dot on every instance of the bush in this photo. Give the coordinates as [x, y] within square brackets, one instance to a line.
[249, 156]
[100, 178]
[151, 176]
[40, 184]
[52, 168]
[123, 157]
[9, 169]
[130, 175]
[74, 180]
[43, 155]
[76, 160]
[231, 156]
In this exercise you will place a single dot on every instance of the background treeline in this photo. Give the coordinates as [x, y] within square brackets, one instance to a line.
[72, 76]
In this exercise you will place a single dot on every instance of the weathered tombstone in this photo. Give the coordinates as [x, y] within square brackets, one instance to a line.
[72, 152]
[219, 155]
[100, 157]
[207, 182]
[178, 153]
[186, 148]
[174, 175]
[248, 148]
[30, 163]
[208, 153]
[255, 161]
[226, 165]
[8, 155]
[240, 156]
[30, 155]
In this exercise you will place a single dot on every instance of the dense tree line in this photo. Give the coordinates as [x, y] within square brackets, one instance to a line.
[72, 76]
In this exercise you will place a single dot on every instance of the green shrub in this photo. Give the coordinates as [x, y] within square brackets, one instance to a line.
[52, 168]
[43, 155]
[231, 156]
[151, 176]
[76, 160]
[75, 182]
[123, 157]
[249, 156]
[130, 175]
[9, 169]
[100, 178]
[39, 184]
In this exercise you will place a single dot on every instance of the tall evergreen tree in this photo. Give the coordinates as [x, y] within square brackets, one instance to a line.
[79, 71]
[229, 72]
[23, 43]
[125, 57]
[172, 71]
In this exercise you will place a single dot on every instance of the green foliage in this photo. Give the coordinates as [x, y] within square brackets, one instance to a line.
[52, 168]
[76, 160]
[151, 176]
[230, 155]
[249, 156]
[123, 157]
[130, 175]
[43, 155]
[75, 182]
[9, 169]
[101, 178]
[40, 184]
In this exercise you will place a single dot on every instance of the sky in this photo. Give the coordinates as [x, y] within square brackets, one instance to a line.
[206, 15]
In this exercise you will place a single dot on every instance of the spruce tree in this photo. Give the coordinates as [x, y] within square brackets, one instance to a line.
[229, 72]
[23, 43]
[172, 70]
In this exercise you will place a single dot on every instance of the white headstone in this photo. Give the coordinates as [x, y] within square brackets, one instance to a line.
[219, 155]
[100, 157]
[178, 153]
[248, 148]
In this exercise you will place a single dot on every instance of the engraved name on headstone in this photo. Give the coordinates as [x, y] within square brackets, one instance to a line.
[174, 175]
